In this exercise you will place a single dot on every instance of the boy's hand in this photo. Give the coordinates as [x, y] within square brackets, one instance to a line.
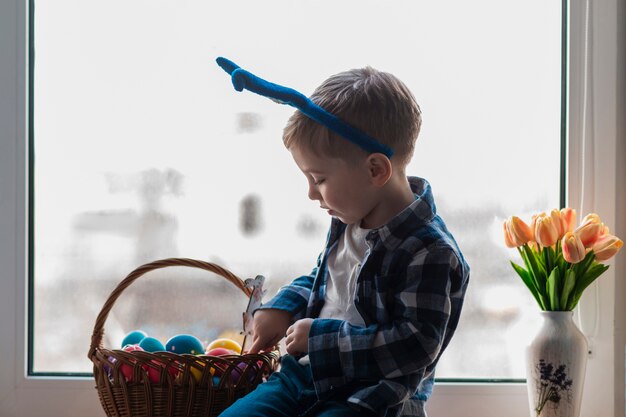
[269, 327]
[297, 341]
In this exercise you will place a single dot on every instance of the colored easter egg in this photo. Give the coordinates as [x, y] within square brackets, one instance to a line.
[108, 367]
[151, 344]
[219, 351]
[218, 367]
[126, 369]
[238, 372]
[226, 344]
[154, 373]
[184, 343]
[197, 373]
[134, 337]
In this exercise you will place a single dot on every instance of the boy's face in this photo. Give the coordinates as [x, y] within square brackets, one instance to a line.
[343, 189]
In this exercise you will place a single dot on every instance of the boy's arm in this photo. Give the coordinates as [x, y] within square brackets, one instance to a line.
[426, 307]
[294, 297]
[271, 320]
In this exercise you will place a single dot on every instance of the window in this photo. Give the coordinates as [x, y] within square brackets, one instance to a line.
[246, 114]
[173, 162]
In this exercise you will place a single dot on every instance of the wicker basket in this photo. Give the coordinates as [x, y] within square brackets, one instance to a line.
[139, 383]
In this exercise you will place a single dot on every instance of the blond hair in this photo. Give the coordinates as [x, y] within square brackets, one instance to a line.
[375, 102]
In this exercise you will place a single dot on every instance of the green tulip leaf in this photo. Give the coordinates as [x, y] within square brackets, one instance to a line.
[530, 283]
[569, 282]
[582, 266]
[553, 285]
[587, 279]
[536, 267]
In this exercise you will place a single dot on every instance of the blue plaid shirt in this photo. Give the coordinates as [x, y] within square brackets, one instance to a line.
[410, 291]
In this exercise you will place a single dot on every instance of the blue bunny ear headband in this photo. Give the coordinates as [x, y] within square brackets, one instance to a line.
[243, 79]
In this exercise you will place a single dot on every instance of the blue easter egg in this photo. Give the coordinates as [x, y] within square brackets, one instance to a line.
[184, 343]
[134, 337]
[216, 381]
[151, 344]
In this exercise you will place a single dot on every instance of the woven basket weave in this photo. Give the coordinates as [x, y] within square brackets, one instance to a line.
[159, 384]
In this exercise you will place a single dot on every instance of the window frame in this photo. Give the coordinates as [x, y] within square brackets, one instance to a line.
[21, 394]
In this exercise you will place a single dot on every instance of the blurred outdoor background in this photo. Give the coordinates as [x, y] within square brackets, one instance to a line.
[143, 151]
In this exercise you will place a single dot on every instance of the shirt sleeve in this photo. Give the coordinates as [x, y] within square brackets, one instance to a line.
[409, 341]
[294, 297]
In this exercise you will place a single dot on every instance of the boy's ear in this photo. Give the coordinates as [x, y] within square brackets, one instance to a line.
[379, 168]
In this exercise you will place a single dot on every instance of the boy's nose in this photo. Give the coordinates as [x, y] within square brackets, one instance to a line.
[314, 193]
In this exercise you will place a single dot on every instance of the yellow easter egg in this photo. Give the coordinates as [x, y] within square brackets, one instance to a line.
[226, 344]
[233, 334]
[197, 373]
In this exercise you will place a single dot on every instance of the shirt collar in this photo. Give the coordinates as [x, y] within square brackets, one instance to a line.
[417, 214]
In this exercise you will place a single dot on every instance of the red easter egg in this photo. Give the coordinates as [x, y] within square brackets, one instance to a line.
[154, 374]
[126, 369]
[218, 368]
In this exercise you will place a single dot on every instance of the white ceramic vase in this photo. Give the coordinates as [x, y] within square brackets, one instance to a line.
[556, 360]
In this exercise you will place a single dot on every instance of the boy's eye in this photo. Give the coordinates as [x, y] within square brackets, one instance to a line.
[318, 182]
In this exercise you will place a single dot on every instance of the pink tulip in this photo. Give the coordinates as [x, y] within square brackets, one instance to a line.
[591, 218]
[568, 219]
[519, 232]
[573, 249]
[546, 232]
[606, 247]
[589, 232]
[605, 231]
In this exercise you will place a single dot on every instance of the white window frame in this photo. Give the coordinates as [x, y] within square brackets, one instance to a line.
[21, 395]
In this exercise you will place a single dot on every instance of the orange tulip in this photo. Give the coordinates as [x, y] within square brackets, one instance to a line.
[606, 247]
[508, 240]
[558, 222]
[533, 221]
[546, 232]
[573, 249]
[568, 219]
[519, 232]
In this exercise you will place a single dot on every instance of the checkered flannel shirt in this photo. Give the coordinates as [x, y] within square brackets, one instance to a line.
[410, 291]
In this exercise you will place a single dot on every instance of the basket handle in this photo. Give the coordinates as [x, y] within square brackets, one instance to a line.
[98, 330]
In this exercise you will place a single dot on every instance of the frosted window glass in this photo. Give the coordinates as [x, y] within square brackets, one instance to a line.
[144, 151]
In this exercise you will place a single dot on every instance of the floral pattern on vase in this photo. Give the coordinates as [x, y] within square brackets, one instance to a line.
[552, 386]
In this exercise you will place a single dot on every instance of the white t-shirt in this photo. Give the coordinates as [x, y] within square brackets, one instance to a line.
[344, 266]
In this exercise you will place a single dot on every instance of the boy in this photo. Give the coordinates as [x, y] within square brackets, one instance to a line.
[366, 328]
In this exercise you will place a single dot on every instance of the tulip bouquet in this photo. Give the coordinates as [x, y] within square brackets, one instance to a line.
[560, 260]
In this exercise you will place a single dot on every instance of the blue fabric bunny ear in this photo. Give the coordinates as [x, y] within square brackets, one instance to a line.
[243, 79]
